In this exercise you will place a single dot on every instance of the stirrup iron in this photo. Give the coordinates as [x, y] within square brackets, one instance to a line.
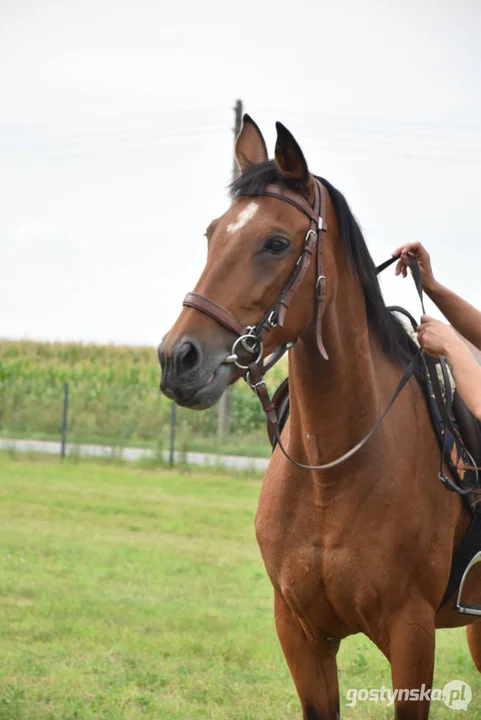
[468, 608]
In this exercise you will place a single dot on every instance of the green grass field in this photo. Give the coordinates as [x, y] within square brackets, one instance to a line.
[129, 592]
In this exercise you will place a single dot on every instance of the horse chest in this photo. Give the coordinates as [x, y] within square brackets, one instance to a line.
[311, 566]
[291, 533]
[292, 551]
[311, 580]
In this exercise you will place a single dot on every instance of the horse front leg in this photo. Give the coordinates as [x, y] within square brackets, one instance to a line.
[410, 650]
[312, 664]
[473, 633]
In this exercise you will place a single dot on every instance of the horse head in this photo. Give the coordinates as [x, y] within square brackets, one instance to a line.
[260, 279]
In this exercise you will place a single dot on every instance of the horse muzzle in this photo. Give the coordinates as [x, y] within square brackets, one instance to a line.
[190, 375]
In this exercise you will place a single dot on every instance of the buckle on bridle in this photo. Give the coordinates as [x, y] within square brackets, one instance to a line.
[319, 280]
[270, 320]
[306, 240]
[256, 385]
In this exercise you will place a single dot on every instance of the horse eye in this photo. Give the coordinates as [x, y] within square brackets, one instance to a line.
[276, 245]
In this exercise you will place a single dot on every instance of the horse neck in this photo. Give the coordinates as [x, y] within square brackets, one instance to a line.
[334, 403]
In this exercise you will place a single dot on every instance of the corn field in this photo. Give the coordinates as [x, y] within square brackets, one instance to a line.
[114, 399]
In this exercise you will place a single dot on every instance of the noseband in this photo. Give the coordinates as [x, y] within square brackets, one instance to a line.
[251, 337]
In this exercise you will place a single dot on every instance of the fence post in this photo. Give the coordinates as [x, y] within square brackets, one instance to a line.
[64, 420]
[173, 412]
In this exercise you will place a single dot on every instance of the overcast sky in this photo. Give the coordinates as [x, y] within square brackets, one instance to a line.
[116, 143]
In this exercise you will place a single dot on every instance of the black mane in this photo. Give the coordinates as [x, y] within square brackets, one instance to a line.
[386, 327]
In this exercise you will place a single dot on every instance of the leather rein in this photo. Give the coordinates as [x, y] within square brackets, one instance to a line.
[250, 337]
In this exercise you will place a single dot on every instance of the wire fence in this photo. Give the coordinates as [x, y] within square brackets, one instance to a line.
[119, 406]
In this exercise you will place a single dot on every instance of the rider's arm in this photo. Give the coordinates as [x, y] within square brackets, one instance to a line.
[462, 316]
[436, 338]
[467, 376]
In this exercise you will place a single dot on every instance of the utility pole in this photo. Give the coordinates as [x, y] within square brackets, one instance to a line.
[239, 111]
[223, 418]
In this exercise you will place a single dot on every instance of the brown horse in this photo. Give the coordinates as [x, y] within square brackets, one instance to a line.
[365, 546]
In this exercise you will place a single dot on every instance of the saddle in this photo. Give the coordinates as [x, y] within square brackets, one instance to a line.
[459, 436]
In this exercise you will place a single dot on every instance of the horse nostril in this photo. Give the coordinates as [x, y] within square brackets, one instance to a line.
[187, 356]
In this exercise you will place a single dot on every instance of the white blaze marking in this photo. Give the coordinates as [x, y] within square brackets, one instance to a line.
[244, 216]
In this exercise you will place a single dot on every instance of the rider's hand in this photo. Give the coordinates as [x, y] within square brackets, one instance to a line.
[424, 262]
[435, 337]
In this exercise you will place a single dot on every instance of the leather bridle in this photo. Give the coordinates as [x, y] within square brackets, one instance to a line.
[251, 337]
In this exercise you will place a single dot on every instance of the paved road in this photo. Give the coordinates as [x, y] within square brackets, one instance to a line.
[238, 462]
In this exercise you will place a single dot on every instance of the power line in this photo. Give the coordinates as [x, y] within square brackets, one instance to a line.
[334, 122]
[430, 145]
[357, 120]
[150, 118]
[340, 140]
[336, 148]
[83, 142]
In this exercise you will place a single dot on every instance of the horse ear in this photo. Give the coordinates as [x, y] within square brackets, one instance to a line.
[250, 147]
[289, 157]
